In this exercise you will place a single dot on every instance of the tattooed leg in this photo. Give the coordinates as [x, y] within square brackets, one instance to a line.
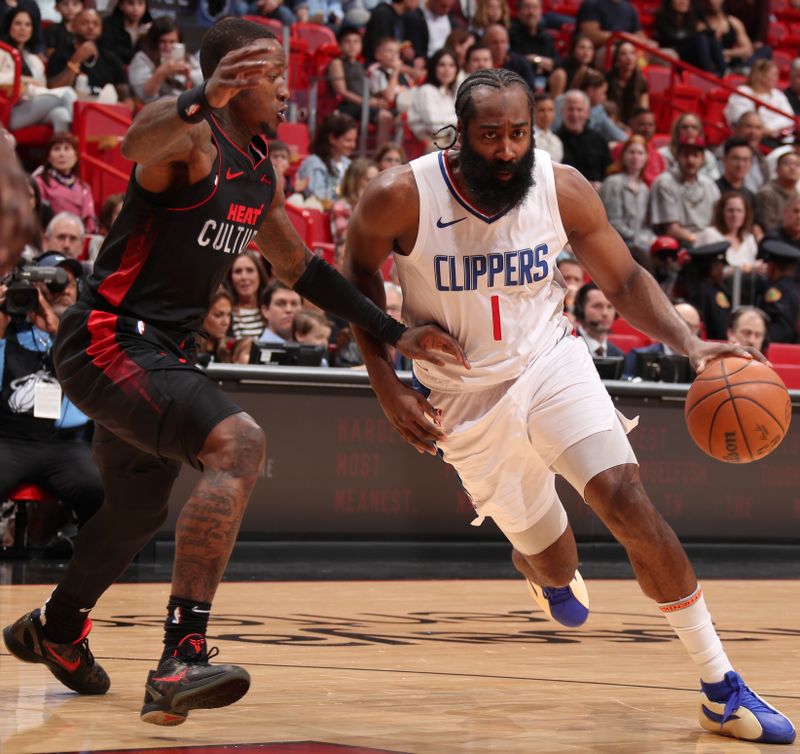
[209, 522]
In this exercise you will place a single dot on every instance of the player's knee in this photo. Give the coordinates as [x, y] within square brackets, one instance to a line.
[236, 444]
[618, 497]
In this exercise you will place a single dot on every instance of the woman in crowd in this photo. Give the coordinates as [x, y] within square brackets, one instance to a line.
[580, 61]
[247, 280]
[127, 24]
[688, 126]
[390, 155]
[359, 173]
[490, 12]
[627, 87]
[155, 70]
[459, 41]
[737, 48]
[325, 167]
[678, 27]
[433, 103]
[733, 222]
[59, 184]
[762, 83]
[37, 103]
[625, 196]
[215, 345]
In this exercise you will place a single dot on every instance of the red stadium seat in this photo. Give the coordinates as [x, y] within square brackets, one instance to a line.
[714, 123]
[275, 26]
[313, 34]
[790, 374]
[658, 78]
[297, 138]
[784, 353]
[21, 496]
[622, 327]
[627, 342]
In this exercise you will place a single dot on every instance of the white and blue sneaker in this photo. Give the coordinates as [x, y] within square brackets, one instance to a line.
[731, 709]
[569, 605]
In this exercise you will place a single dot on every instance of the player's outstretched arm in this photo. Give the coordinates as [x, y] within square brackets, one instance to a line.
[633, 291]
[388, 214]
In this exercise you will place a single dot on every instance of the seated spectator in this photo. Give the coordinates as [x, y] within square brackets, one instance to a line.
[125, 27]
[792, 91]
[682, 200]
[596, 87]
[594, 315]
[50, 449]
[155, 71]
[665, 264]
[496, 39]
[626, 197]
[762, 83]
[598, 18]
[479, 58]
[627, 87]
[348, 77]
[389, 19]
[59, 35]
[433, 104]
[59, 184]
[6, 6]
[488, 12]
[389, 80]
[65, 234]
[459, 41]
[279, 303]
[584, 149]
[108, 214]
[275, 9]
[688, 126]
[733, 222]
[544, 115]
[333, 144]
[280, 157]
[789, 229]
[429, 26]
[326, 12]
[749, 128]
[312, 328]
[781, 301]
[643, 123]
[748, 327]
[37, 103]
[90, 57]
[736, 163]
[755, 17]
[214, 343]
[678, 27]
[43, 213]
[359, 173]
[573, 277]
[690, 316]
[389, 155]
[729, 31]
[246, 282]
[774, 195]
[707, 289]
[579, 62]
[529, 38]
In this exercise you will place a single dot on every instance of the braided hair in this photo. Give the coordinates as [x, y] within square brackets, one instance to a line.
[495, 78]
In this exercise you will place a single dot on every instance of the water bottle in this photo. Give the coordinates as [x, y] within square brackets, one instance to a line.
[82, 85]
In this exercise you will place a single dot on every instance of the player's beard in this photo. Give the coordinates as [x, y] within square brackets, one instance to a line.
[489, 193]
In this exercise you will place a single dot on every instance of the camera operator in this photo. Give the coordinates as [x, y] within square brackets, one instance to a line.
[44, 439]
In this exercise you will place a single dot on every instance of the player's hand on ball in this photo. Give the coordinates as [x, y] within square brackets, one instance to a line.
[431, 343]
[417, 421]
[703, 352]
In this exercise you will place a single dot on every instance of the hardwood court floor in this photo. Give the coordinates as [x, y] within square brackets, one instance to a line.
[427, 667]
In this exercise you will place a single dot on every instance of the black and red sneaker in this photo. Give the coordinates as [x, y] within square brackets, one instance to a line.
[73, 664]
[186, 681]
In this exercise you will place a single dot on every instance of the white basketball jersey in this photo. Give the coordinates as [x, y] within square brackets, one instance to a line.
[486, 280]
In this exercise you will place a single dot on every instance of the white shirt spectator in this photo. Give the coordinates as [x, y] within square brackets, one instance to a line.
[551, 144]
[772, 121]
[439, 28]
[431, 108]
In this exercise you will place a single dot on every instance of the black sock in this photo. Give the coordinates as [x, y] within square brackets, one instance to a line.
[184, 617]
[64, 618]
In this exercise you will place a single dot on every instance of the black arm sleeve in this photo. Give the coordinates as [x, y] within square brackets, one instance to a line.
[325, 287]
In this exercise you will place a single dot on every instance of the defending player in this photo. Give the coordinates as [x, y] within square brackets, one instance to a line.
[476, 233]
[202, 188]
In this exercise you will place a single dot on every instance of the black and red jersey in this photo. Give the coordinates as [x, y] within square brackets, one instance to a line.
[168, 252]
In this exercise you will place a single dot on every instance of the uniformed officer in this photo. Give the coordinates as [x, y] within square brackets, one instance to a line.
[781, 300]
[706, 287]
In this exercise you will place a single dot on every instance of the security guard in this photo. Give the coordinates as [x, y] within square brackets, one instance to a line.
[781, 300]
[707, 290]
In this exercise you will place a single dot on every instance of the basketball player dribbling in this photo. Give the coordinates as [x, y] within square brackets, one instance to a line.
[476, 233]
[202, 188]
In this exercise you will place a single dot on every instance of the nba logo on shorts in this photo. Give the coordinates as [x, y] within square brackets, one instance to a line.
[140, 327]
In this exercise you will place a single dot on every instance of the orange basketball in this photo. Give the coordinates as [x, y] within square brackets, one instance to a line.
[738, 410]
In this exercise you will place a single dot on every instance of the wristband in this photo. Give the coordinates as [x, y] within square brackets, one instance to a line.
[329, 290]
[193, 105]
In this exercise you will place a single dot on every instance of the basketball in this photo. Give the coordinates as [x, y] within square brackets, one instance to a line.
[738, 410]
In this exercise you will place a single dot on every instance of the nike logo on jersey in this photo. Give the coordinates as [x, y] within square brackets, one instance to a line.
[442, 224]
[230, 175]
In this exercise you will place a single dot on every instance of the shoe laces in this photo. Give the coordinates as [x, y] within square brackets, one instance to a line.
[741, 694]
[194, 650]
[557, 595]
[83, 648]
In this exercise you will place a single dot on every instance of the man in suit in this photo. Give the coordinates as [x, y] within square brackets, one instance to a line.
[594, 314]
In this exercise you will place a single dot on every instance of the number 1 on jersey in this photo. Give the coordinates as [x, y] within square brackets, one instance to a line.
[496, 328]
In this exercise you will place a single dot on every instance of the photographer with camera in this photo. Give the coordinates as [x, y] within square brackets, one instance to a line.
[44, 438]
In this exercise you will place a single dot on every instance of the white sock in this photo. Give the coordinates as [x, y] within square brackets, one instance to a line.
[690, 619]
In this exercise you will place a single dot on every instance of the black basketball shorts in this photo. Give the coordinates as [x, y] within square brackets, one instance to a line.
[137, 382]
